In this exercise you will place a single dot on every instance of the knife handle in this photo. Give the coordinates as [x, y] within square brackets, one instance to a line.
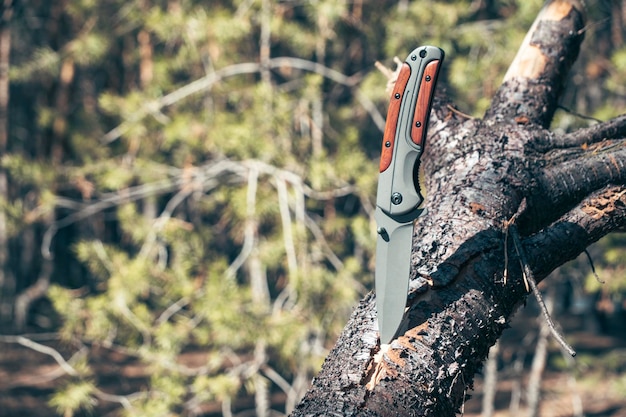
[393, 114]
[425, 88]
[424, 102]
[405, 131]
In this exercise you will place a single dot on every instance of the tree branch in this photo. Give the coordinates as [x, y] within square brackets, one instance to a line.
[611, 129]
[595, 217]
[206, 83]
[536, 76]
[205, 177]
[565, 184]
[580, 138]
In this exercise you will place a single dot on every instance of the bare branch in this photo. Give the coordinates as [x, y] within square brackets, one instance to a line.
[540, 66]
[161, 221]
[206, 83]
[566, 183]
[596, 216]
[391, 75]
[285, 215]
[319, 236]
[120, 197]
[250, 225]
[46, 350]
[185, 182]
[611, 129]
[172, 309]
[32, 293]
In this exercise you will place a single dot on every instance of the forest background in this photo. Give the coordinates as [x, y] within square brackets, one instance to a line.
[187, 192]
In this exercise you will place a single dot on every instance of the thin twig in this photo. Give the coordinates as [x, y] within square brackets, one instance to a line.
[162, 220]
[123, 196]
[510, 226]
[32, 293]
[505, 274]
[529, 276]
[250, 225]
[593, 268]
[592, 25]
[319, 236]
[226, 407]
[579, 115]
[46, 350]
[67, 368]
[391, 75]
[507, 225]
[459, 112]
[172, 309]
[285, 215]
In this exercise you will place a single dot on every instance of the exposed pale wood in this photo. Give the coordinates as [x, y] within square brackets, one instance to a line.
[535, 79]
[530, 61]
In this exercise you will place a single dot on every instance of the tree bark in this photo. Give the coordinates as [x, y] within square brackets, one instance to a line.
[565, 190]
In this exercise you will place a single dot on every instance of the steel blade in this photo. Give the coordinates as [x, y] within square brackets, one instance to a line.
[393, 265]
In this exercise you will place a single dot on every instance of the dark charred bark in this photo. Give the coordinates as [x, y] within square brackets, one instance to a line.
[478, 172]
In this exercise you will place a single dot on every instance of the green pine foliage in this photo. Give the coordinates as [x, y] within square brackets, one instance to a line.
[74, 397]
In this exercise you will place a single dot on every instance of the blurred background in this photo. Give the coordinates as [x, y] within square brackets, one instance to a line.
[187, 190]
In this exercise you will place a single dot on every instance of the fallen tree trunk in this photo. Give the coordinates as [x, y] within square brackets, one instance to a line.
[562, 192]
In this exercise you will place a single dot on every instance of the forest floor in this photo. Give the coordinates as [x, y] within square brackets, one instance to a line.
[593, 386]
[590, 389]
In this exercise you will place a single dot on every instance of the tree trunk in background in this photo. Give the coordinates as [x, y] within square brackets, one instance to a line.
[7, 281]
[490, 384]
[33, 289]
[565, 190]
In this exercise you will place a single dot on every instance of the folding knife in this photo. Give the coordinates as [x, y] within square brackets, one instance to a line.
[398, 196]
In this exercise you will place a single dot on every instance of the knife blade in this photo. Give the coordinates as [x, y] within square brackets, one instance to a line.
[398, 196]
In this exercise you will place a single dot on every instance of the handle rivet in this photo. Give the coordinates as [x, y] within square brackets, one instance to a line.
[428, 78]
[396, 198]
[418, 124]
[397, 95]
[383, 233]
[413, 57]
[423, 53]
[387, 144]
